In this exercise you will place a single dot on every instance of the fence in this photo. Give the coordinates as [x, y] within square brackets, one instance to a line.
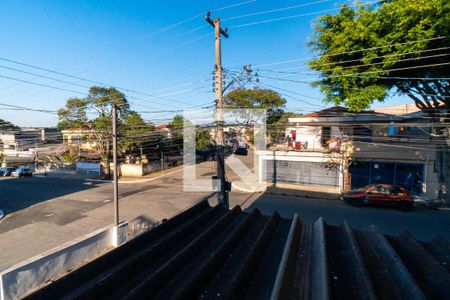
[298, 168]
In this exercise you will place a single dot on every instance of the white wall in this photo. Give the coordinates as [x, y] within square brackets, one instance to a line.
[310, 134]
[24, 277]
[294, 156]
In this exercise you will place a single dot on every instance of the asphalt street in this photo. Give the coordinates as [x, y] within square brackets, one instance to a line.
[45, 212]
[422, 223]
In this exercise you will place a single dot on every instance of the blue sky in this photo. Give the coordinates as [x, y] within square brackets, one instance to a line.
[128, 44]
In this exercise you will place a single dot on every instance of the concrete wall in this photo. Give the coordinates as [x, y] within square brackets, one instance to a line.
[405, 152]
[291, 162]
[131, 170]
[24, 277]
[138, 170]
[430, 187]
[383, 153]
[310, 134]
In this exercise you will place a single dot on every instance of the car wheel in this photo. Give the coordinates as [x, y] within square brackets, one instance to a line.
[404, 206]
[356, 202]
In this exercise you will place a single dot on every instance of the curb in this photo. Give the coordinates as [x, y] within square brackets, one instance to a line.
[133, 181]
[444, 208]
[299, 194]
[241, 189]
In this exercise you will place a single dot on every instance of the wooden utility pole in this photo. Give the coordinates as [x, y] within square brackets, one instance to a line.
[222, 195]
[115, 177]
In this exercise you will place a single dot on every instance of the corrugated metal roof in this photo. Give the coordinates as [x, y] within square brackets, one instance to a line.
[211, 252]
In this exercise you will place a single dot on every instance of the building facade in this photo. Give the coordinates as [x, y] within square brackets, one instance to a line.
[385, 148]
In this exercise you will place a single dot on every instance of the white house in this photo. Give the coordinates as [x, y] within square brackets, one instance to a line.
[387, 148]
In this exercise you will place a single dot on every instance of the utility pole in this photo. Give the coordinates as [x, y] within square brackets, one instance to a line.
[115, 178]
[222, 195]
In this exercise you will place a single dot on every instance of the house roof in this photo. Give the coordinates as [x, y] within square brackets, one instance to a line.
[161, 127]
[335, 111]
[339, 115]
[212, 252]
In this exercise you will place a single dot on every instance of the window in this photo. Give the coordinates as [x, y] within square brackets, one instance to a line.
[325, 135]
[395, 190]
[380, 190]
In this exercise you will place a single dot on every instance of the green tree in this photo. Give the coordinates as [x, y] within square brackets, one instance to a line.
[202, 135]
[202, 139]
[176, 133]
[257, 98]
[277, 130]
[367, 52]
[7, 126]
[98, 123]
[136, 133]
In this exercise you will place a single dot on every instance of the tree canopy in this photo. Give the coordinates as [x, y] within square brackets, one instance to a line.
[257, 98]
[277, 130]
[367, 52]
[202, 135]
[94, 113]
[7, 126]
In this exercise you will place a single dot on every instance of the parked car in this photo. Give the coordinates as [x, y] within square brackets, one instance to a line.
[238, 147]
[7, 171]
[380, 195]
[22, 172]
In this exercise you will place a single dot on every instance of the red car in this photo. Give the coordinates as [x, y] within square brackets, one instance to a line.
[382, 195]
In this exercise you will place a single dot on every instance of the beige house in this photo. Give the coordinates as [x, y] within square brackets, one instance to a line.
[79, 138]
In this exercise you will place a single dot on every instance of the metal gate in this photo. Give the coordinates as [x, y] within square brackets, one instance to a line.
[407, 175]
[301, 173]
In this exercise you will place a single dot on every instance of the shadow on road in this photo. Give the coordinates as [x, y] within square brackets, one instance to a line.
[422, 223]
[20, 193]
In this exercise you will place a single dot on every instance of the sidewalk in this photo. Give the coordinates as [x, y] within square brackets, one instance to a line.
[36, 237]
[145, 178]
[291, 190]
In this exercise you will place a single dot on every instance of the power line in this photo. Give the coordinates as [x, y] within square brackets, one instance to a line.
[293, 98]
[83, 93]
[189, 42]
[381, 56]
[351, 51]
[275, 10]
[349, 88]
[41, 84]
[43, 76]
[401, 78]
[185, 21]
[27, 108]
[74, 77]
[294, 16]
[362, 65]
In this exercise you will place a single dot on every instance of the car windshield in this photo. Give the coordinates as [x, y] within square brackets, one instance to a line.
[361, 189]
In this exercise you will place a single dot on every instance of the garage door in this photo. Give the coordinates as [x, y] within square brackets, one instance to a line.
[302, 173]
